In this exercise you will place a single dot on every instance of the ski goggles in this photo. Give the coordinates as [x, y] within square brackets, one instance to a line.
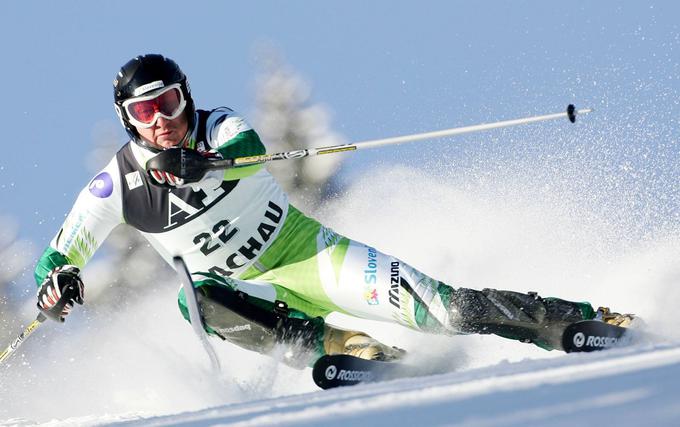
[143, 111]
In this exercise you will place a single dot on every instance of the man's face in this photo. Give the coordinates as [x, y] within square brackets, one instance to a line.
[165, 133]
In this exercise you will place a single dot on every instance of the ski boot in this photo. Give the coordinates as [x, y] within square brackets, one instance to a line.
[617, 319]
[358, 344]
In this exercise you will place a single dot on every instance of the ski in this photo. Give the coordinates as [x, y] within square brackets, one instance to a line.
[342, 370]
[593, 335]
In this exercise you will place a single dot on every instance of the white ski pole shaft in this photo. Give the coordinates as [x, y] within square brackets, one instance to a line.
[195, 317]
[571, 114]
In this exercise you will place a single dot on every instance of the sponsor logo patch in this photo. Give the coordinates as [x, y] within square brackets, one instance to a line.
[231, 127]
[371, 297]
[395, 282]
[331, 372]
[346, 375]
[238, 328]
[72, 225]
[101, 185]
[602, 342]
[134, 180]
[371, 277]
[579, 339]
[148, 87]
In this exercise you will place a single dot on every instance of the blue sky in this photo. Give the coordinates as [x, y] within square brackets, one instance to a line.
[384, 68]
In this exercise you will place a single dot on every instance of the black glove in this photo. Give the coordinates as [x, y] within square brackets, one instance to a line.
[166, 179]
[60, 289]
[179, 163]
[177, 167]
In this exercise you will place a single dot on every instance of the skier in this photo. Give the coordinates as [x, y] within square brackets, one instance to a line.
[266, 273]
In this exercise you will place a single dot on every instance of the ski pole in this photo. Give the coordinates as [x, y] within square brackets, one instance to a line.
[297, 154]
[195, 317]
[22, 337]
[191, 165]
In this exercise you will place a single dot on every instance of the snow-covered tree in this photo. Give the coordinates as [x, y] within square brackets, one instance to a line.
[286, 119]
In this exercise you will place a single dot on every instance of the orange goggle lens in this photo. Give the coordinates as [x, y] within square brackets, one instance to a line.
[167, 104]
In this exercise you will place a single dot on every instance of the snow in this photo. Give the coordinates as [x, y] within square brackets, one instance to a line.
[545, 224]
[624, 387]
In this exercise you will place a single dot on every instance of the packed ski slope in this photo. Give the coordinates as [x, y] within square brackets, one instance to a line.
[560, 225]
[631, 387]
[624, 387]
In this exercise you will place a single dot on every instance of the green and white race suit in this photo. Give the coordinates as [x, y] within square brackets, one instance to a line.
[242, 232]
[239, 231]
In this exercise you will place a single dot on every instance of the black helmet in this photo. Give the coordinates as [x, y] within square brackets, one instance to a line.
[144, 70]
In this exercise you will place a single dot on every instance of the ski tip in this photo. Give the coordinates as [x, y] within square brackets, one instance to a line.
[593, 335]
